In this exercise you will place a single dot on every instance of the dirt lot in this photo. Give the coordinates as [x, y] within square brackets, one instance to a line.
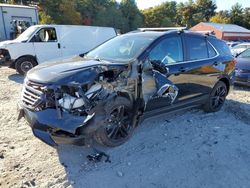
[190, 149]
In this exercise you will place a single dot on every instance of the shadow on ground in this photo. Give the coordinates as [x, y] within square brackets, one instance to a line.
[194, 149]
[16, 78]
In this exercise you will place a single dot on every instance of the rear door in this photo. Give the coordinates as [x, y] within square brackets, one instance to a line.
[46, 44]
[198, 68]
[189, 59]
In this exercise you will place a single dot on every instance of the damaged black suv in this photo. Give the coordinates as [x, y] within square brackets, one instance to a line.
[102, 95]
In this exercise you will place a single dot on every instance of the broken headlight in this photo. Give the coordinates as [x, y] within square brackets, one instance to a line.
[76, 99]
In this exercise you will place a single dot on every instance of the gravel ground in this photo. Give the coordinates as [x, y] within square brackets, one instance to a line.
[189, 149]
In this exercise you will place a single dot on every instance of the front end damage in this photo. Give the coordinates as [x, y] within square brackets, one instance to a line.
[71, 108]
[5, 58]
[69, 113]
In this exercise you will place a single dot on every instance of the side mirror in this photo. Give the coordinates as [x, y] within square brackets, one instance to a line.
[237, 54]
[160, 66]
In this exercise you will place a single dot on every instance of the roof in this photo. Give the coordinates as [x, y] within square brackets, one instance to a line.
[153, 34]
[227, 27]
[16, 6]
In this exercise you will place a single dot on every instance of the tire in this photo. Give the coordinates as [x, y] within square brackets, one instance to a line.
[120, 124]
[24, 64]
[216, 98]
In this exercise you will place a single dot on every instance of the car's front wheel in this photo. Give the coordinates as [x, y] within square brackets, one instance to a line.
[216, 98]
[119, 125]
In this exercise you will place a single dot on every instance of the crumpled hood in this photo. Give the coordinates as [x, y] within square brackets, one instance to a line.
[243, 63]
[75, 69]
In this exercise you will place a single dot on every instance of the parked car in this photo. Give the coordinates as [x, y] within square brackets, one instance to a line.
[106, 93]
[242, 70]
[42, 43]
[231, 44]
[240, 48]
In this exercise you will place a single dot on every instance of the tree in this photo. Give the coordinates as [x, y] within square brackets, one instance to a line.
[221, 17]
[206, 8]
[236, 14]
[61, 11]
[111, 16]
[246, 15]
[163, 15]
[133, 15]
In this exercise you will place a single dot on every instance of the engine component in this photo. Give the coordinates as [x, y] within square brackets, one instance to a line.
[68, 102]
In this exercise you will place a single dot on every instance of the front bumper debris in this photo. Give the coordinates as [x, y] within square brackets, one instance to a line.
[52, 130]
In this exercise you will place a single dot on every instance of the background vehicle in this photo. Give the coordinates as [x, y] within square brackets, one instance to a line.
[134, 76]
[242, 70]
[42, 43]
[14, 19]
[240, 48]
[231, 44]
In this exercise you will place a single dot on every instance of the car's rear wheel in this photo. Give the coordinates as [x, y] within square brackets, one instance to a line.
[120, 123]
[216, 98]
[24, 64]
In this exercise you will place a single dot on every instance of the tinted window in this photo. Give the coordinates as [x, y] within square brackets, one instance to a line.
[211, 51]
[197, 48]
[168, 51]
[220, 46]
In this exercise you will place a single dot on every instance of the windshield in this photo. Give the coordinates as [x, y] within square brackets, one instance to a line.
[26, 34]
[121, 48]
[245, 54]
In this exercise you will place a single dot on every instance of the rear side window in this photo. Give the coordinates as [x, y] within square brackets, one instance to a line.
[197, 48]
[211, 51]
[220, 46]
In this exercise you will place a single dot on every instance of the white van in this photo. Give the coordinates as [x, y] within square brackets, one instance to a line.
[41, 43]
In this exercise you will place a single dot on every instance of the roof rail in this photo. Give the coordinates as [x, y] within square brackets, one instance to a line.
[162, 29]
[208, 33]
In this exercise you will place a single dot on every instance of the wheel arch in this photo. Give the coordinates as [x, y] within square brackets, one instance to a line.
[29, 56]
[227, 82]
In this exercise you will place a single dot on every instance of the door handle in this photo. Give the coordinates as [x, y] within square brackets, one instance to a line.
[59, 45]
[216, 63]
[182, 69]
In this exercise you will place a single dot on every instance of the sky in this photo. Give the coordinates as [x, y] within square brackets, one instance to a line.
[221, 4]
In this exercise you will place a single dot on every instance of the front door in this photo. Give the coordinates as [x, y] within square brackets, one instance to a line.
[46, 45]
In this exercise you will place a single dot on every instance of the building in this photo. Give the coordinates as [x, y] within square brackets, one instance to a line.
[230, 32]
[14, 19]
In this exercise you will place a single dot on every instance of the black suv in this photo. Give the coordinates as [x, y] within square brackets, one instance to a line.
[105, 93]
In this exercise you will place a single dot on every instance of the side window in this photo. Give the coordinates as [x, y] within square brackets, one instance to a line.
[220, 46]
[168, 51]
[211, 51]
[45, 35]
[197, 48]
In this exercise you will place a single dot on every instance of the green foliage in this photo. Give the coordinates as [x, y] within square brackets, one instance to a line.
[45, 19]
[236, 14]
[132, 14]
[221, 17]
[61, 11]
[163, 15]
[126, 16]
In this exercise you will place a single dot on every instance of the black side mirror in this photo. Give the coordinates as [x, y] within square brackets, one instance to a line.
[159, 66]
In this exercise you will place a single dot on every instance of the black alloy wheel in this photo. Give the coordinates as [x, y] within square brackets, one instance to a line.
[119, 125]
[217, 97]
